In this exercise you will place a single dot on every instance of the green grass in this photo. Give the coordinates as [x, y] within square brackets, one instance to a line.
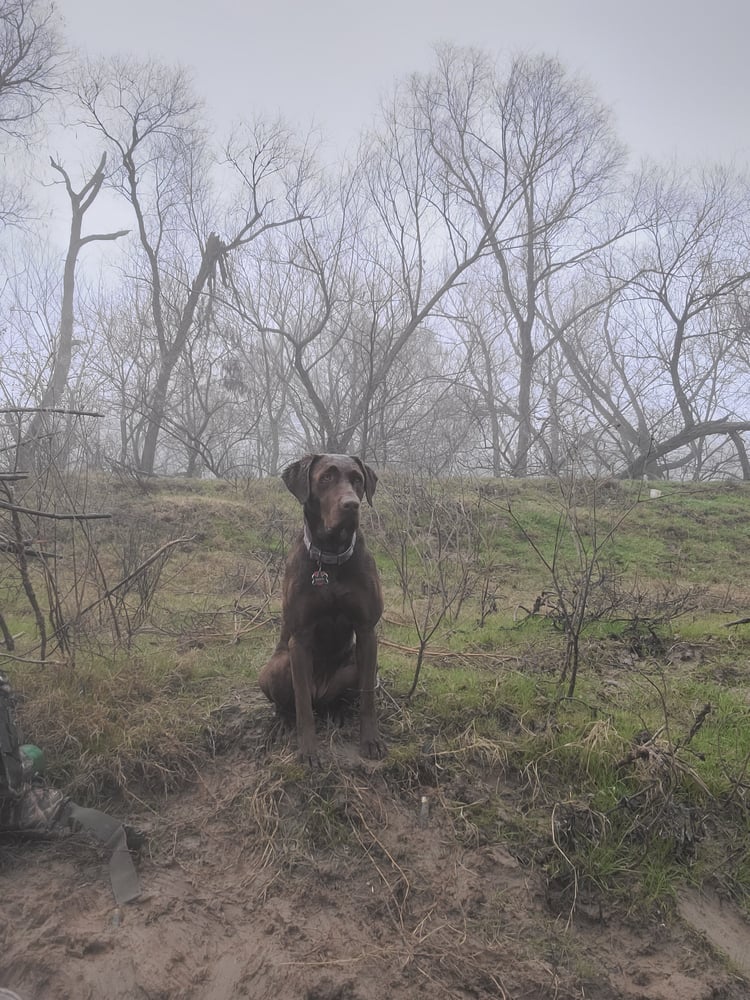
[557, 780]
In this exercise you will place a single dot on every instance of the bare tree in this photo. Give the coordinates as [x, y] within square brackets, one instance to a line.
[52, 396]
[697, 259]
[351, 293]
[659, 361]
[489, 373]
[30, 59]
[579, 562]
[432, 541]
[477, 290]
[151, 120]
[533, 156]
[293, 290]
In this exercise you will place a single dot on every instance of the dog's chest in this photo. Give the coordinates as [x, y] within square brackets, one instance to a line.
[332, 634]
[331, 597]
[315, 591]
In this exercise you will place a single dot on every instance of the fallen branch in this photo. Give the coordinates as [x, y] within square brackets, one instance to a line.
[10, 545]
[4, 505]
[444, 652]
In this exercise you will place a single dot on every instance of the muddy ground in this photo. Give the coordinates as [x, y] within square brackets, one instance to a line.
[237, 901]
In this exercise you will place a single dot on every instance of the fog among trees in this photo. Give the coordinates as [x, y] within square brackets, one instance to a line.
[486, 285]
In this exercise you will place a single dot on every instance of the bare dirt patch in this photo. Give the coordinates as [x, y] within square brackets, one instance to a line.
[325, 886]
[723, 926]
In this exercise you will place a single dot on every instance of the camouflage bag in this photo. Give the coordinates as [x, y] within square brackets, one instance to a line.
[11, 767]
[30, 808]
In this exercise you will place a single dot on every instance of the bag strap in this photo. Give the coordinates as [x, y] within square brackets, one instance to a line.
[111, 833]
[11, 768]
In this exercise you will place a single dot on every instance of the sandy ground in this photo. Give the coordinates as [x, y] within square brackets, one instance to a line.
[236, 903]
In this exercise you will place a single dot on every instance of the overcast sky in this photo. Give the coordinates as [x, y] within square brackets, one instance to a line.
[675, 72]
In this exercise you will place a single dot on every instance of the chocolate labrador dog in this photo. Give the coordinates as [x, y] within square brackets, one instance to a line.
[332, 601]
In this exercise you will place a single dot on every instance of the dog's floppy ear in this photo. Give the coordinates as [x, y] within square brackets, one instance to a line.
[371, 479]
[297, 477]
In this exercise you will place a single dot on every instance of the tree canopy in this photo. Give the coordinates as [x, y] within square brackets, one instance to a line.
[485, 286]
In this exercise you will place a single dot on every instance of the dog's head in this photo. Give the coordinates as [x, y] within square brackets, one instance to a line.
[331, 488]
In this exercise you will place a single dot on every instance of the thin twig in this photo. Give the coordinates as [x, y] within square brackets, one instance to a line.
[50, 409]
[139, 569]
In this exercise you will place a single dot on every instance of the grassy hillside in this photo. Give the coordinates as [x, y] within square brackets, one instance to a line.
[638, 776]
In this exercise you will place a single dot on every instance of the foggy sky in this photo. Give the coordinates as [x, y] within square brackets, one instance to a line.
[675, 72]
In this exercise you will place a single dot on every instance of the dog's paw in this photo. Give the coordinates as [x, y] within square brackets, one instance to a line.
[372, 747]
[308, 756]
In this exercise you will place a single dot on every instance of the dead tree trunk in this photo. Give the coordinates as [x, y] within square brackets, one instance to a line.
[80, 202]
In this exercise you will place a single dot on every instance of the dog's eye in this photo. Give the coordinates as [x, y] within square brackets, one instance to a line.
[326, 477]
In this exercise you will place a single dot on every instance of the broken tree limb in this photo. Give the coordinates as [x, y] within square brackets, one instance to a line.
[4, 505]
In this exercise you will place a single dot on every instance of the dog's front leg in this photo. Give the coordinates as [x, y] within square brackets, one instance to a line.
[370, 743]
[302, 667]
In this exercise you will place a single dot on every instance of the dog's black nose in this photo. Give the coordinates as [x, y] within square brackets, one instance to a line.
[351, 503]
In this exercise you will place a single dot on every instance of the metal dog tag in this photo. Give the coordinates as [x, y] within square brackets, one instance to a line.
[319, 578]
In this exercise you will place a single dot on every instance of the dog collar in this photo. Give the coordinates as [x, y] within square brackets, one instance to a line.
[330, 558]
